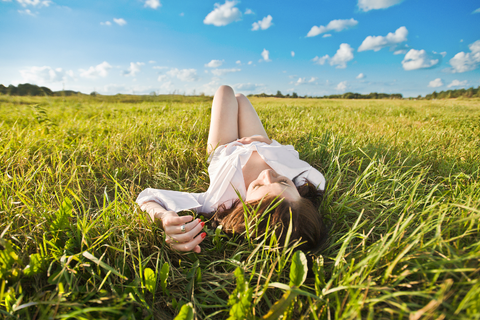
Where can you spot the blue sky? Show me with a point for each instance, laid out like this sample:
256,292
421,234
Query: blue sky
309,47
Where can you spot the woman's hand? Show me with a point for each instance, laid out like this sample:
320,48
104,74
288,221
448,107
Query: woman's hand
248,140
183,239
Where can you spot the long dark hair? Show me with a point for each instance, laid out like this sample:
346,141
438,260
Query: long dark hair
307,222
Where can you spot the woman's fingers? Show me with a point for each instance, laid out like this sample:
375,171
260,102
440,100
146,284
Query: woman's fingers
171,218
187,235
182,232
260,138
173,229
189,246
245,140
190,226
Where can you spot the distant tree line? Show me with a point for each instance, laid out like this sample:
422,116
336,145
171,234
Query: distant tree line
372,95
457,93
347,95
28,89
278,95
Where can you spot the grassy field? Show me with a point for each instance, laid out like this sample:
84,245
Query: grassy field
402,201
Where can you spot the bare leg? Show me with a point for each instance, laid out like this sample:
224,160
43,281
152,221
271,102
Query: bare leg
249,123
224,121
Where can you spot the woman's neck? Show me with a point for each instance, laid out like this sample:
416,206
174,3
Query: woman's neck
255,164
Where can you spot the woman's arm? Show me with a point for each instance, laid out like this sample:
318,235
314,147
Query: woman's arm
172,223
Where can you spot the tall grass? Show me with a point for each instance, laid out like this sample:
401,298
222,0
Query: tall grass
402,201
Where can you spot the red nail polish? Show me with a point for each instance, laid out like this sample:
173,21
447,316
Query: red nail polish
203,235
202,223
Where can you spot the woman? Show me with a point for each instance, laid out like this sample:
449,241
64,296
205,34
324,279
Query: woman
243,159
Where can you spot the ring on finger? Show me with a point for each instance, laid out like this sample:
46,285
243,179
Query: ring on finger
183,228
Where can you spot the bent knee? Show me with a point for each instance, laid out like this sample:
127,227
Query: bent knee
224,89
240,96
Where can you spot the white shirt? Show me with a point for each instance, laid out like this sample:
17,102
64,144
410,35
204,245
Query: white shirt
225,171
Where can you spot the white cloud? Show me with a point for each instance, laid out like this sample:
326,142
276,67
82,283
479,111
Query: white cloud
152,61
154,4
120,21
250,62
214,64
443,54
133,69
418,59
249,11
106,23
475,47
334,25
209,88
340,59
121,88
238,62
376,43
457,83
27,12
343,55
162,77
35,3
367,5
401,49
435,83
361,76
223,14
167,86
160,68
476,11
292,54
100,70
248,86
463,62
263,24
326,35
306,81
221,72
41,75
321,60
265,55
342,86
187,75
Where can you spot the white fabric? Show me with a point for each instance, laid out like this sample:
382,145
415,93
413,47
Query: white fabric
226,175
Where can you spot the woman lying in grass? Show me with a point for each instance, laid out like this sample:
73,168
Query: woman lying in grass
264,172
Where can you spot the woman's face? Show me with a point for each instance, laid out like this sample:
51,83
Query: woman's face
271,183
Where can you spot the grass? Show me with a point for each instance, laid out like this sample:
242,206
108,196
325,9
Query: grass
402,200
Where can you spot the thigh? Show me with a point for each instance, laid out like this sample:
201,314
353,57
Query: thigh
249,123
224,120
